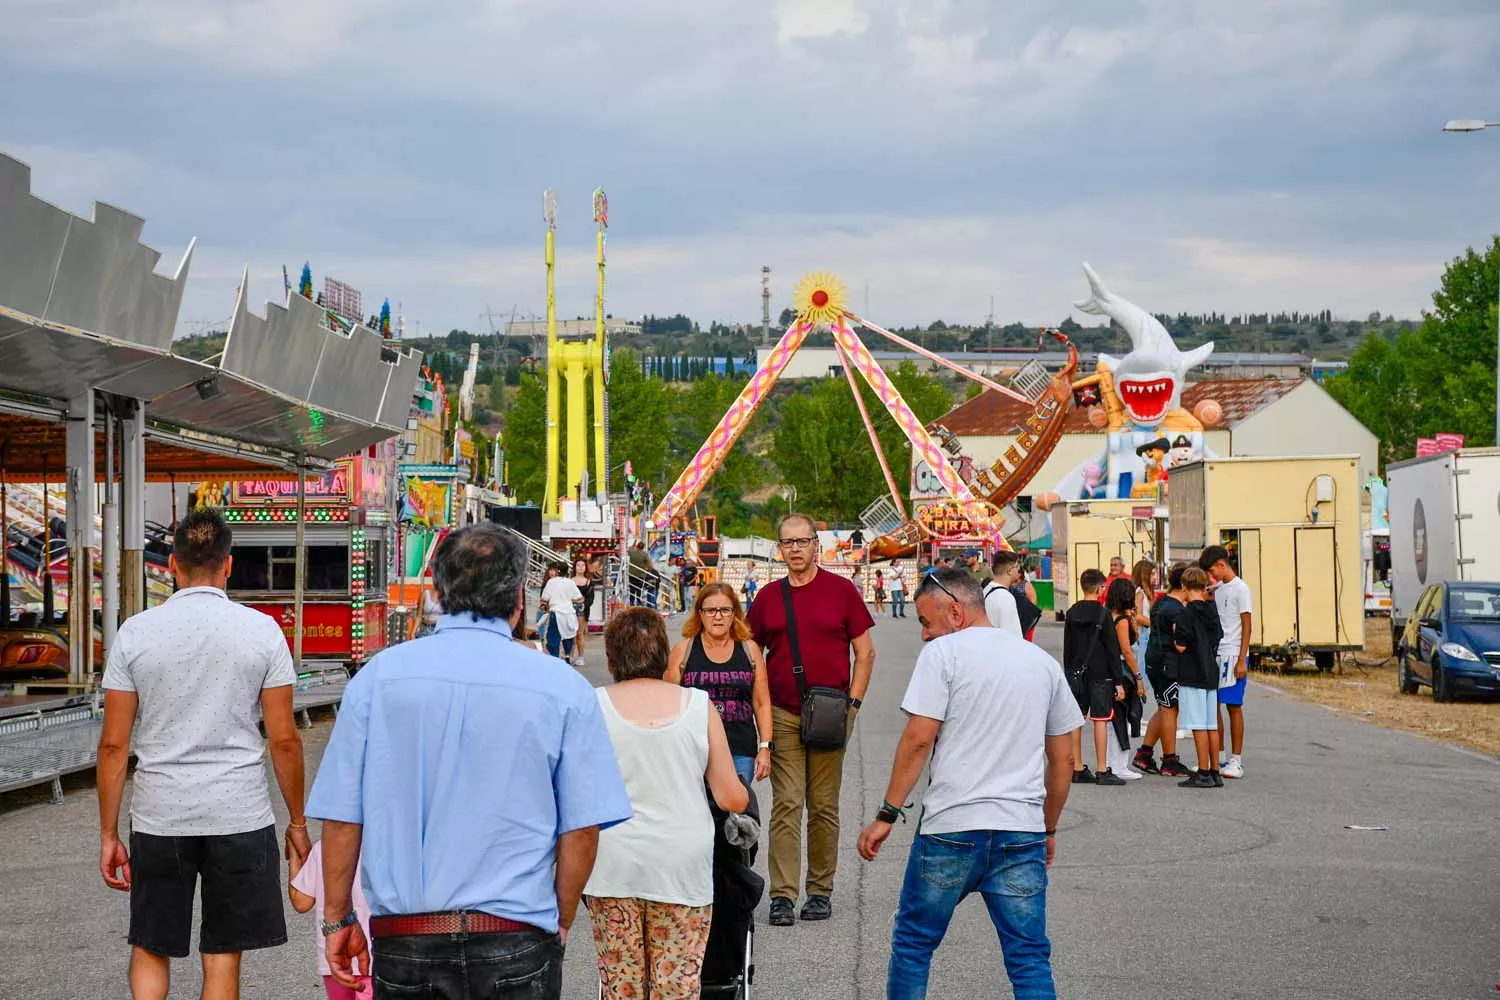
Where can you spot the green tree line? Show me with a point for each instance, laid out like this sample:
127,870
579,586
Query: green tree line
1438,377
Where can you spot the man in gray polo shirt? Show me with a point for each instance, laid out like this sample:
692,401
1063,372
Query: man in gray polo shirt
198,672
995,713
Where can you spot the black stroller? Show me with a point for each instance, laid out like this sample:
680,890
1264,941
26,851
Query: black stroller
729,960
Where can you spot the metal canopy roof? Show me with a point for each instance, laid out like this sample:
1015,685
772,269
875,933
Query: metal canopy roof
34,447
81,307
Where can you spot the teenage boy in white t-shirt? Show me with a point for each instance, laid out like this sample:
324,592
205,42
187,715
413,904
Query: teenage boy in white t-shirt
1233,599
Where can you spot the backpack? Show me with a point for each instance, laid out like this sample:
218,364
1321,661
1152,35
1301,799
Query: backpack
1028,612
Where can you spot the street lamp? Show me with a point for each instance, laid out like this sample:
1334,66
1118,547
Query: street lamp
1469,125
1479,125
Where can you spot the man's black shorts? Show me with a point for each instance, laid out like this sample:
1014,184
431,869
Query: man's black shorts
241,892
1163,688
1096,700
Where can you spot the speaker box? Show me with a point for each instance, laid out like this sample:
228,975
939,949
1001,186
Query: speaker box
527,520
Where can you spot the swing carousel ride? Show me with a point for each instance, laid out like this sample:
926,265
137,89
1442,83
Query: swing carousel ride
974,504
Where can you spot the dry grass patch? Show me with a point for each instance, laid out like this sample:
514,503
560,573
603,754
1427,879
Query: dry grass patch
1369,692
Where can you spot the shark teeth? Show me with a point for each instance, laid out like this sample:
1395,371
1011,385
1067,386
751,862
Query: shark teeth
1156,389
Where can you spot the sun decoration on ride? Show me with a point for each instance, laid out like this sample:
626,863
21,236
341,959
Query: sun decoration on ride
820,299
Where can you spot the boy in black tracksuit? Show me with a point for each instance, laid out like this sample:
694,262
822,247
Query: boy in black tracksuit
1091,659
1196,635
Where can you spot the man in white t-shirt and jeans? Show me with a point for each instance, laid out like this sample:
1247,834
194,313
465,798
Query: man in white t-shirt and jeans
1235,603
199,672
995,713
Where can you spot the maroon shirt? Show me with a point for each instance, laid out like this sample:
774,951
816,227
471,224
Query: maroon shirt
830,616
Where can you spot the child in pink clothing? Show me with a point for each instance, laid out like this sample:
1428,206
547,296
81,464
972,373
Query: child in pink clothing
306,892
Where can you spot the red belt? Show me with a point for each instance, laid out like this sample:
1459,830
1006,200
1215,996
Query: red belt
454,922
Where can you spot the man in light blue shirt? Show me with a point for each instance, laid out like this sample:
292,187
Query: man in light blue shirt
473,774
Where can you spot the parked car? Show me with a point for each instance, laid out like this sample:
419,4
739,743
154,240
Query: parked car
1452,641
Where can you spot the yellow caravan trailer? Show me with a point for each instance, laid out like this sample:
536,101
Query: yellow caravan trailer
1293,527
1087,534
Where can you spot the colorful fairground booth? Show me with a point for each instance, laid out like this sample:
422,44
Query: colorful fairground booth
94,405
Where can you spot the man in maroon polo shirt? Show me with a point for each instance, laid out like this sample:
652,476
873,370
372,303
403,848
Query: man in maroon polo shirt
833,633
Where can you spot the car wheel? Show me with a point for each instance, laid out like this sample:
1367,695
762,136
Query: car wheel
1440,690
1408,683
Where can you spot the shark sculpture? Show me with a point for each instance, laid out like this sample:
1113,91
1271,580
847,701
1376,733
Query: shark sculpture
1149,379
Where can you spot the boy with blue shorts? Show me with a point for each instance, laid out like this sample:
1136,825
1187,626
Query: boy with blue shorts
1195,636
1233,600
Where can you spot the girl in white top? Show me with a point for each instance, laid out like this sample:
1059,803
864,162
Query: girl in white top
651,892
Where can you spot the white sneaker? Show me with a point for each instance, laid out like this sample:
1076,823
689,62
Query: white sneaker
1223,760
1128,774
1234,769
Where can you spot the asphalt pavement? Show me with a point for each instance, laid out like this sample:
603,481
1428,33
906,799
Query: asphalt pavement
1256,890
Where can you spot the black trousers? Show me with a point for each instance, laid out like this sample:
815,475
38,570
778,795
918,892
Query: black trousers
520,965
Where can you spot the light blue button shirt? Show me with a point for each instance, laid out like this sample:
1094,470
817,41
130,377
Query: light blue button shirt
465,755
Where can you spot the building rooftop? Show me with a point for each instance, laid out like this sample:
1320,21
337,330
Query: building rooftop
991,414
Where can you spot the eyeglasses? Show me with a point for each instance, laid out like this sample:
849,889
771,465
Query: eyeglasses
716,612
939,585
796,543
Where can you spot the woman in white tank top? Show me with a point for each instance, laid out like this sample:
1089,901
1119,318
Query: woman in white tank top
651,892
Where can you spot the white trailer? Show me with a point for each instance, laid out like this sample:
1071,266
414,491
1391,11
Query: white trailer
1445,523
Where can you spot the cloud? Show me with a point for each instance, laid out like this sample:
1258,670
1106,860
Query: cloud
1282,154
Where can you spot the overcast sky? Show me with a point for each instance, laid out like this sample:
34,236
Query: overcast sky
1261,154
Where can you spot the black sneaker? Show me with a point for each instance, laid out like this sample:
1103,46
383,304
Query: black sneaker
1173,767
817,908
1200,779
783,913
1145,761
1108,777
1218,779
1083,776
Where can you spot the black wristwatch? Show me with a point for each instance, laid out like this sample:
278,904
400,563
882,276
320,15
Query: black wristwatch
889,813
856,702
333,928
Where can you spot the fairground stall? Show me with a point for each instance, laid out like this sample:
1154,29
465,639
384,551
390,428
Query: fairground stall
348,535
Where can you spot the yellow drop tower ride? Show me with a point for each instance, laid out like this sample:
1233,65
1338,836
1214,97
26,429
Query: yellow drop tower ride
575,360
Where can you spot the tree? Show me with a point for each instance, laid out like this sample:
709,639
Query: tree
526,439
1437,378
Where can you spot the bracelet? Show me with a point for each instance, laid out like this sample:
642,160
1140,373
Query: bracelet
889,813
297,826
1051,833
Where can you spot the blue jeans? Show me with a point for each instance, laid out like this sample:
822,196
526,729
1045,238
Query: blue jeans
526,965
1010,871
555,641
898,604
745,768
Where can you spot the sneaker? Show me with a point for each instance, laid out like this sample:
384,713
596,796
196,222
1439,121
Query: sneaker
1218,778
1234,769
817,908
1145,760
1223,758
1129,775
1173,767
783,913
1108,777
1084,776
1200,779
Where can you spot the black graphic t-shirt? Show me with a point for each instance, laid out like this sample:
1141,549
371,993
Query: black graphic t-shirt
729,686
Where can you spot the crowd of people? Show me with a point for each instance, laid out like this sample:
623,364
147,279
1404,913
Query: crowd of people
475,792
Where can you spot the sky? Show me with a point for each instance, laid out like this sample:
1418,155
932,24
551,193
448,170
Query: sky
937,155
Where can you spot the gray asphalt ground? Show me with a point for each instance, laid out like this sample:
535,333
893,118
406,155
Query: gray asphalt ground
1257,890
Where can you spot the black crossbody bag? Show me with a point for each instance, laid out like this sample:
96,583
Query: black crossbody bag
825,710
